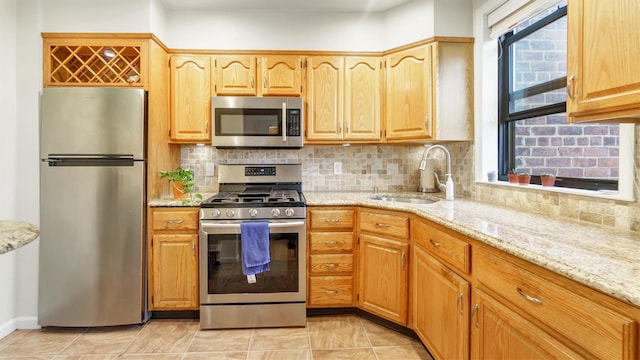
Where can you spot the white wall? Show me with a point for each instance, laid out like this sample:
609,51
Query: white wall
273,30
8,157
96,16
408,23
453,18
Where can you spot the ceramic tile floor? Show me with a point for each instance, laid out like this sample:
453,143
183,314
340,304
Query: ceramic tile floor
324,338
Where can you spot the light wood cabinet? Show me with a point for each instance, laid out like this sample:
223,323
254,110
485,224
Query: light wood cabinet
429,92
325,94
603,81
440,307
331,262
281,75
408,93
384,264
440,297
235,75
173,259
499,333
595,330
190,100
344,101
363,99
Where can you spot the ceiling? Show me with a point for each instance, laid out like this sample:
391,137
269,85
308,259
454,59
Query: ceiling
297,5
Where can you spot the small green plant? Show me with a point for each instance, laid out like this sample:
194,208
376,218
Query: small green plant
546,174
512,171
184,177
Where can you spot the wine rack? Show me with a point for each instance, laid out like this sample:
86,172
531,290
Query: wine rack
100,65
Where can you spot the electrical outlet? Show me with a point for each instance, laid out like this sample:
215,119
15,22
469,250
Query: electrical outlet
337,168
210,170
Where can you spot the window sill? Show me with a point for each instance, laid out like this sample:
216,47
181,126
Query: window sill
602,194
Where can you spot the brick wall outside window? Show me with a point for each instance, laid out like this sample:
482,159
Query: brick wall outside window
548,143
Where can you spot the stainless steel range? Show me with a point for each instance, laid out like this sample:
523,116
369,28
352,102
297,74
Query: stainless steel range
264,193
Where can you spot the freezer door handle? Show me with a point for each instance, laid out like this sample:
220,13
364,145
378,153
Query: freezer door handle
90,160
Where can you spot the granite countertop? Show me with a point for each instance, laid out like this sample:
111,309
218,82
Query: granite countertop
171,202
603,259
14,234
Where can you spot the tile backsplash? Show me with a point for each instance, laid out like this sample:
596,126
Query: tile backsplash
388,167
395,168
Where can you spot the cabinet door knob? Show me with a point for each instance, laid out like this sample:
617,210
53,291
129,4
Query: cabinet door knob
434,243
330,292
473,313
459,302
382,225
570,86
330,265
331,242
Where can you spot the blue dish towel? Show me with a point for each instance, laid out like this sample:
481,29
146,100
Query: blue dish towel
255,247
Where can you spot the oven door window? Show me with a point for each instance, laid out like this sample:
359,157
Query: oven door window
225,265
248,122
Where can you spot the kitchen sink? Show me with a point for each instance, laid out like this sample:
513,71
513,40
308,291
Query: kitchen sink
402,199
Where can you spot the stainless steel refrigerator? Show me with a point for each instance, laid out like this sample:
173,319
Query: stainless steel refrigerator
92,207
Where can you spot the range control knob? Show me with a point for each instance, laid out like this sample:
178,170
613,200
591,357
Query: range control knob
215,213
275,212
289,212
231,213
253,212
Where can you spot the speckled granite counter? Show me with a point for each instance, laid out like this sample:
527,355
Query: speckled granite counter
605,260
171,202
14,234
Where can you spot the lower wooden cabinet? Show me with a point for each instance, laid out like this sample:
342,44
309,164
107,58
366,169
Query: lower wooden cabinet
173,259
330,262
501,333
440,307
384,271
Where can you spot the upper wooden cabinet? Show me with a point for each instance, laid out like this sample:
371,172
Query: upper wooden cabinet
235,75
343,97
408,94
362,98
190,98
95,60
281,75
603,81
325,93
429,92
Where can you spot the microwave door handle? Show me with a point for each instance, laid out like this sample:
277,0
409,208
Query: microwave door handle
284,122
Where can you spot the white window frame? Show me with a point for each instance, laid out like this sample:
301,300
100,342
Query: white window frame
486,117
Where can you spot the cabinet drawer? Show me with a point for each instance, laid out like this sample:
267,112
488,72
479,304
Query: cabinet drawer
331,219
385,224
331,242
331,291
175,219
447,248
596,329
327,264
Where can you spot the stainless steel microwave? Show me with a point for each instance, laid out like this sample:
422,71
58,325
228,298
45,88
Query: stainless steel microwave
257,122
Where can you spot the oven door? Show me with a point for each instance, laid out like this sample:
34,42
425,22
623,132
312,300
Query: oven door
221,277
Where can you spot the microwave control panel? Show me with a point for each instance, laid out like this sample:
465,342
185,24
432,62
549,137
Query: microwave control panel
293,122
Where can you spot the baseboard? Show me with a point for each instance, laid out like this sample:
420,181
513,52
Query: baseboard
27,323
7,328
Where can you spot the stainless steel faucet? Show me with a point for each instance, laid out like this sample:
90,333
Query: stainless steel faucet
447,187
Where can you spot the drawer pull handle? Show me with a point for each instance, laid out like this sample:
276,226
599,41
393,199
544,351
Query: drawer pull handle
473,313
174,221
330,292
382,225
404,260
331,242
332,220
458,303
529,297
434,243
330,265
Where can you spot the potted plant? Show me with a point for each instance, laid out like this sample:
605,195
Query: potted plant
547,179
181,181
524,179
512,174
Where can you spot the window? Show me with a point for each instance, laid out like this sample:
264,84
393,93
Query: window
533,135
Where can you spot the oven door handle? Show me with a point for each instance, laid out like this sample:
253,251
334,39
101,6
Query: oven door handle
277,225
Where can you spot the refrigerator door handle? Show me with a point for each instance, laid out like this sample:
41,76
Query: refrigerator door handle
89,160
